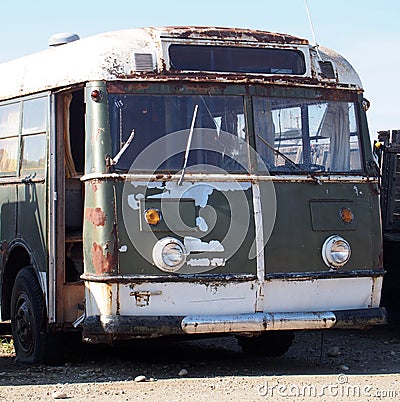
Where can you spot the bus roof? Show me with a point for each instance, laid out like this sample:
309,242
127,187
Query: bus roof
142,53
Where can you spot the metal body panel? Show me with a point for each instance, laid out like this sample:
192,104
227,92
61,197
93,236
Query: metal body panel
169,298
322,294
212,241
298,234
32,221
216,298
8,221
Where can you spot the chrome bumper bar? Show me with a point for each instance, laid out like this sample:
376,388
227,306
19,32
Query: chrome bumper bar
258,322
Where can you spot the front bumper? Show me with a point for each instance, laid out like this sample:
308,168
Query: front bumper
257,322
105,329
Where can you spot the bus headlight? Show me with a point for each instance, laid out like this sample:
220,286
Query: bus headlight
336,251
169,254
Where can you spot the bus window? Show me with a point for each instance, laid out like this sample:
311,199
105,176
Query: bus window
8,155
155,116
236,59
9,127
9,119
34,116
33,154
305,135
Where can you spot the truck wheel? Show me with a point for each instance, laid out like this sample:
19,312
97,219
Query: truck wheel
27,318
269,343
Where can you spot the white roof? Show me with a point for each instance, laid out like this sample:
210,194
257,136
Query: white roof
128,54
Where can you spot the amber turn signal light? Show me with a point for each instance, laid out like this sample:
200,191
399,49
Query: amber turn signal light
346,215
152,216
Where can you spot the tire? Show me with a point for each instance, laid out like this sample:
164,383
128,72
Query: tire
28,318
270,343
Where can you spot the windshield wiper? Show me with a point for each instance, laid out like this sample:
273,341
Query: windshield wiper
117,157
189,142
288,160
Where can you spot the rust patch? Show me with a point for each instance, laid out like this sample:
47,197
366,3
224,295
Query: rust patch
96,216
236,34
102,263
95,185
97,134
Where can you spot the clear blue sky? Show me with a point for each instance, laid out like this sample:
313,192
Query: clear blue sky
366,32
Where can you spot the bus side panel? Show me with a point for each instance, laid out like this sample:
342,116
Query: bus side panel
32,221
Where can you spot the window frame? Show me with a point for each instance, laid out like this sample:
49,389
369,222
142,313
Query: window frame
249,91
20,136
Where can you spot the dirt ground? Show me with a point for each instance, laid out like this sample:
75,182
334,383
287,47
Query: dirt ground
320,366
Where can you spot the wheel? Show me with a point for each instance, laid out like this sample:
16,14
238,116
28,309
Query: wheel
28,318
270,343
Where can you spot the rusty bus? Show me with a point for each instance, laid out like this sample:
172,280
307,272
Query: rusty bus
185,181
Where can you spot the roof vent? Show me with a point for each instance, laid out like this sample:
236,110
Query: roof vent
144,62
327,70
62,39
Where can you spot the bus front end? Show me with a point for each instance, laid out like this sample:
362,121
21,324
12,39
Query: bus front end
223,204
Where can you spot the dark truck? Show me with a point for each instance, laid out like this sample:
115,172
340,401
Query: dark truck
387,151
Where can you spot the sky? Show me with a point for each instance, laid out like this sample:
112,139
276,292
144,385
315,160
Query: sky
366,32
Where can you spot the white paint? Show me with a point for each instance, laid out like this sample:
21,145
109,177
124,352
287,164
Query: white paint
170,298
108,57
259,245
357,191
134,200
321,294
376,297
218,262
201,224
206,262
102,57
199,192
180,298
198,262
195,245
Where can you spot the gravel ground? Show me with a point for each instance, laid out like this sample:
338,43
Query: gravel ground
320,366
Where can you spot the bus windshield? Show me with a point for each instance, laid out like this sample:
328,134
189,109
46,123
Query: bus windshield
218,139
312,136
291,135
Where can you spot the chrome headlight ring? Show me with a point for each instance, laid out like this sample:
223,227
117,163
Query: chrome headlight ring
336,251
169,254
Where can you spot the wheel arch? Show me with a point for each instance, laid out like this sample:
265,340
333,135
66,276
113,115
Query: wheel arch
19,256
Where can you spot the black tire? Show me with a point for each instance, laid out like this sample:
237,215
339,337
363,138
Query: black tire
269,343
28,318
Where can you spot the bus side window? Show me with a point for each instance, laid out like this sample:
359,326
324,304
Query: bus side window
9,127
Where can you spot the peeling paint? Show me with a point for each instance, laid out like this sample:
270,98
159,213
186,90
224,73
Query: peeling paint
195,245
201,224
206,262
96,216
123,249
198,192
357,191
102,262
134,200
